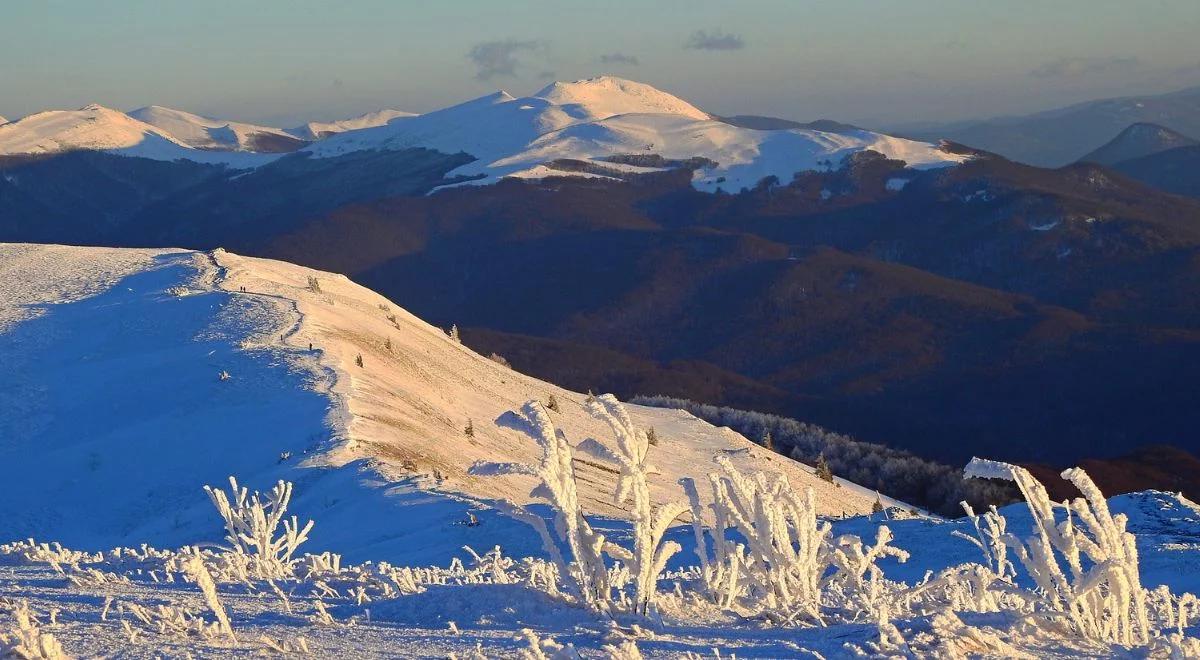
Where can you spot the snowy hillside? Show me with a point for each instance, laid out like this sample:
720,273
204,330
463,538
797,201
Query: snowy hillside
116,357
597,119
315,130
205,133
136,378
99,128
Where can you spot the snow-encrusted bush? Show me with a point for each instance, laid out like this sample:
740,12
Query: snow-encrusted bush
252,523
650,554
25,639
779,561
557,487
1099,593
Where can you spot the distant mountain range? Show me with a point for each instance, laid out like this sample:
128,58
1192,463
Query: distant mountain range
605,234
1057,137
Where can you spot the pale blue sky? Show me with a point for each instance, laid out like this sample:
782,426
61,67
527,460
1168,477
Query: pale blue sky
880,62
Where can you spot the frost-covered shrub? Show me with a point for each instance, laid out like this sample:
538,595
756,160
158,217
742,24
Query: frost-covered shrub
252,524
642,564
25,639
556,475
168,620
29,551
650,554
779,561
198,573
1086,566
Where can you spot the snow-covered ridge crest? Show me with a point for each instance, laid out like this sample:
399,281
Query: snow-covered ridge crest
95,127
315,130
90,127
274,371
208,133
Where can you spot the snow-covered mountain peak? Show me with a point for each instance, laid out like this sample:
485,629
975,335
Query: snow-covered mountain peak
316,130
95,127
90,127
598,118
209,133
1137,140
605,96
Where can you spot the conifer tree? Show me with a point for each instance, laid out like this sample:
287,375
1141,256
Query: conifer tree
823,470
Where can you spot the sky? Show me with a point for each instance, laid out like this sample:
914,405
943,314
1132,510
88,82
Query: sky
881,63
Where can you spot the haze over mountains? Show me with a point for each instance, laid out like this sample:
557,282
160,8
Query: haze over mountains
1054,138
928,295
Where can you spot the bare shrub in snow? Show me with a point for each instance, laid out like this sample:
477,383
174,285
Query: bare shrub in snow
314,284
252,526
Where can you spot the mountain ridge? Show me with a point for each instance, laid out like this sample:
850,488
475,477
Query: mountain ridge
1138,140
